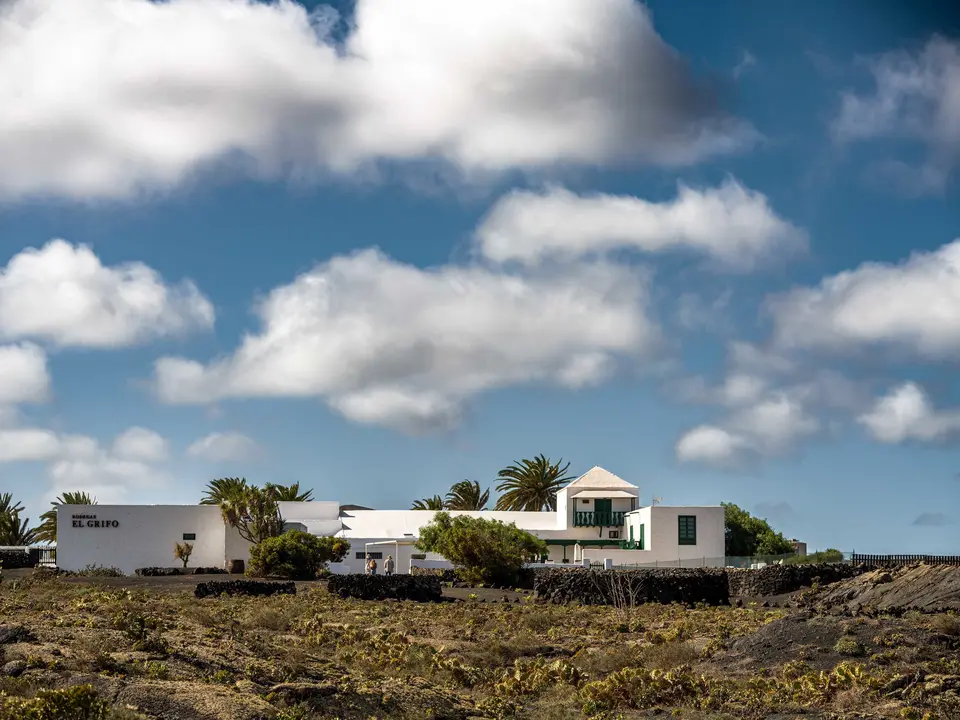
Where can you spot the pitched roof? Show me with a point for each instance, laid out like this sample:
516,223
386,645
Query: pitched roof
598,478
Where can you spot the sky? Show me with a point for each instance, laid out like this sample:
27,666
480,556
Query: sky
380,247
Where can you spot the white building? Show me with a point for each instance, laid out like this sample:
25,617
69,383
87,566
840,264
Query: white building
598,517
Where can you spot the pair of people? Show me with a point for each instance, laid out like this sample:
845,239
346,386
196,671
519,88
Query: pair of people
388,565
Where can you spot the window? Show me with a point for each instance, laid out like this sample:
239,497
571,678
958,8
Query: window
585,501
189,536
361,555
614,535
687,525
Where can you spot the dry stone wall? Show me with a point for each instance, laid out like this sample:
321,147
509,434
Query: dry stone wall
419,588
781,579
244,587
633,587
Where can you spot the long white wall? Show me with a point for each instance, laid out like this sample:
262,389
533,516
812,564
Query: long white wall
134,536
661,537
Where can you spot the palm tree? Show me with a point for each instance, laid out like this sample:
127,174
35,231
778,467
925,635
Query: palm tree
433,503
466,495
252,511
289,493
16,533
218,491
47,529
532,485
13,532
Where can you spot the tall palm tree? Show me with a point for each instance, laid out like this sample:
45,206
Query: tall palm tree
289,493
433,503
532,484
47,529
13,531
466,495
223,489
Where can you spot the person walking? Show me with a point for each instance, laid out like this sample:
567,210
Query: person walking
371,565
388,565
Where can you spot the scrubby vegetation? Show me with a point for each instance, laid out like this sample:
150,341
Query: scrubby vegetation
162,653
295,555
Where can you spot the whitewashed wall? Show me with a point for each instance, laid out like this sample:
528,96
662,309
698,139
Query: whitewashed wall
661,537
144,536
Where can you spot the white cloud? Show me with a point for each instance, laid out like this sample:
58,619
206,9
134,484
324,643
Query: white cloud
139,443
97,105
917,97
388,343
710,445
63,294
731,224
28,444
23,374
906,413
914,305
221,446
768,427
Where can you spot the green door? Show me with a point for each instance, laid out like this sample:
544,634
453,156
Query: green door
604,511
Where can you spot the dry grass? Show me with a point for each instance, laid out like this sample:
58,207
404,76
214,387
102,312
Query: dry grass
314,655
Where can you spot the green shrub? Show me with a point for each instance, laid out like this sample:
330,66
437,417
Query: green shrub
824,556
295,555
75,703
486,552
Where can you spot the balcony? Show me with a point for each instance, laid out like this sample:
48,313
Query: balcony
598,519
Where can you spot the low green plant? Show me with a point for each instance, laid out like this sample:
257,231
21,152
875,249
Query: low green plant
850,647
101,571
76,703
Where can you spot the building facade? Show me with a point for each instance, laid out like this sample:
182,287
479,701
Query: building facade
598,517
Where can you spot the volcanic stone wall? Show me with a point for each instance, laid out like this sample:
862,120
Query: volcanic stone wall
450,575
420,588
244,587
16,559
633,587
168,571
782,579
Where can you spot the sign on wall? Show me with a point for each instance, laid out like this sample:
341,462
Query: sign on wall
91,521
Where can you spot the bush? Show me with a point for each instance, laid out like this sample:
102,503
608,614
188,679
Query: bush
75,703
483,551
101,571
244,587
824,556
295,555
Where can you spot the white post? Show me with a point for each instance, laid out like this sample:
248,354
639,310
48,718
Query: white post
586,563
608,563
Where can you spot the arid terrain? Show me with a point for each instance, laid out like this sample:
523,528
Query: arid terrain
148,649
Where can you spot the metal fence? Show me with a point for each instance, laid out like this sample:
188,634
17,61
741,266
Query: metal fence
895,560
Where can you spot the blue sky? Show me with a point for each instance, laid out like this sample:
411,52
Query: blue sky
706,246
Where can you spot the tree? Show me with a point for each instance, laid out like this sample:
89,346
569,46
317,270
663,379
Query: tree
14,531
253,512
466,495
434,503
290,493
47,529
295,555
746,535
483,551
223,489
531,485
182,552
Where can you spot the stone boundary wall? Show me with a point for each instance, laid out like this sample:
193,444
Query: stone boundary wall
633,587
244,587
18,559
419,588
781,579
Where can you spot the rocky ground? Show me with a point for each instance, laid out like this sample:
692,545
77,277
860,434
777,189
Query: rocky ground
883,645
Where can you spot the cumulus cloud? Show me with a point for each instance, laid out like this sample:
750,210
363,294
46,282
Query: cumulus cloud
765,428
917,97
730,224
23,375
80,462
63,294
221,446
388,343
914,305
97,106
139,443
906,413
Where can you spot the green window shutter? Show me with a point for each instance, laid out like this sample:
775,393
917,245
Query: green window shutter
687,530
642,547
